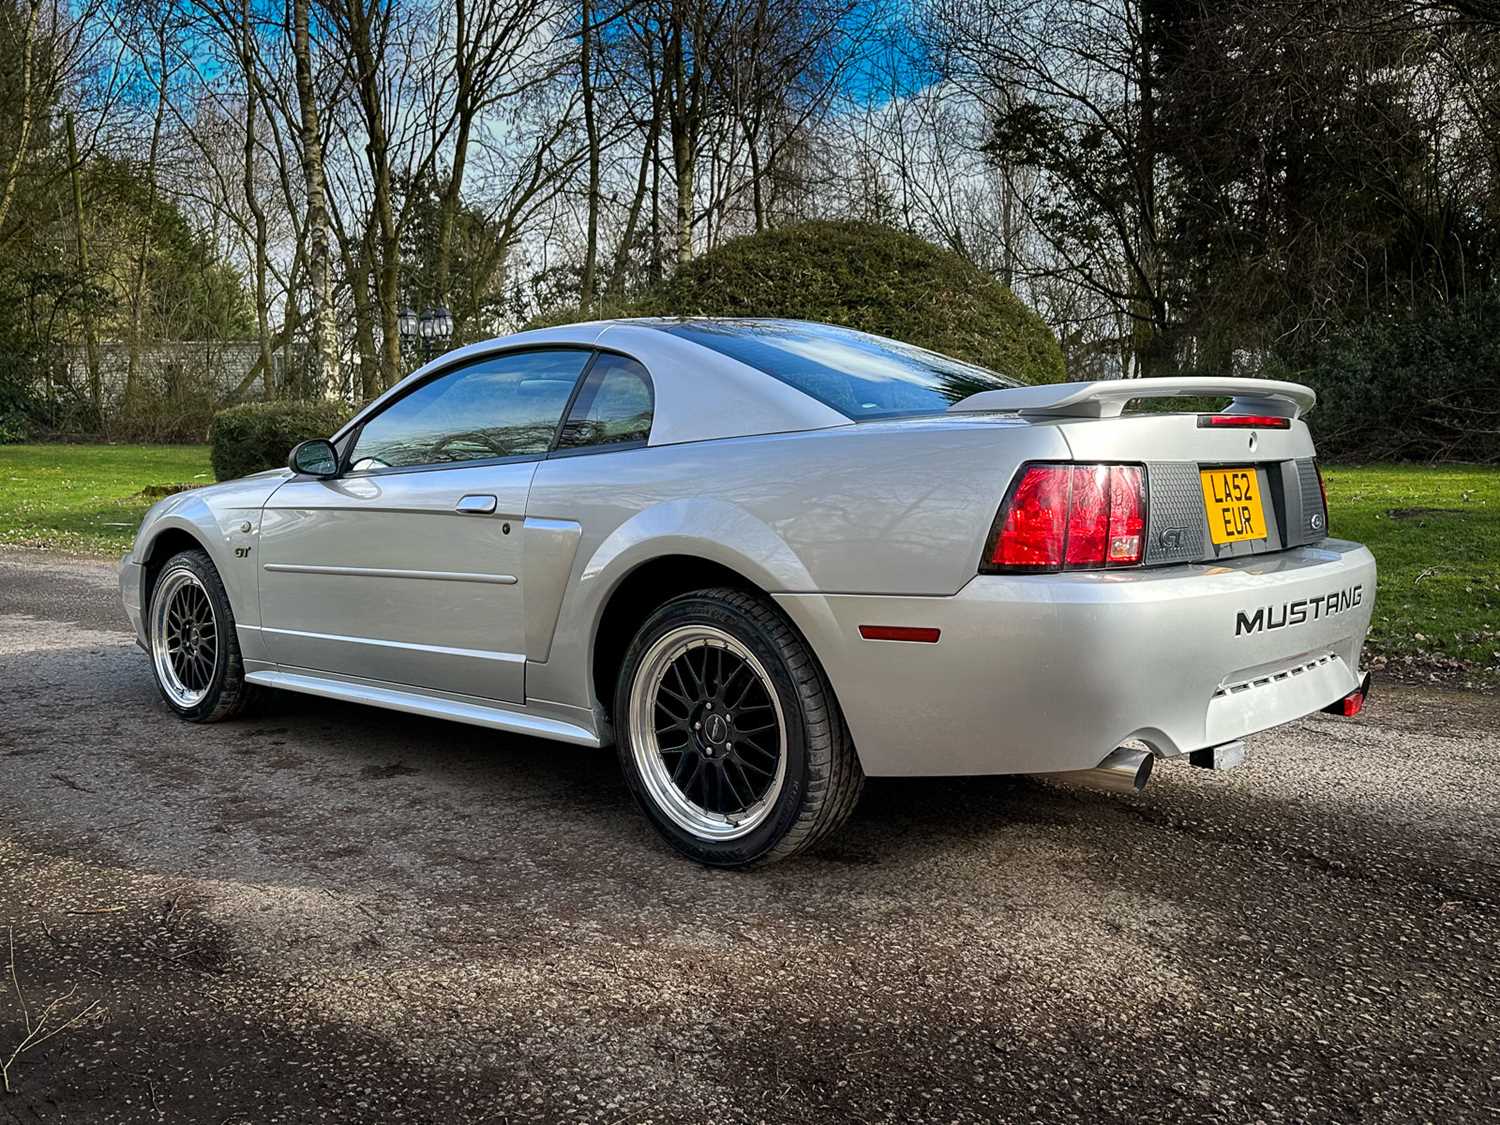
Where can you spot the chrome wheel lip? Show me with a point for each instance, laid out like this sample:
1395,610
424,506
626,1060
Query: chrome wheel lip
175,590
701,823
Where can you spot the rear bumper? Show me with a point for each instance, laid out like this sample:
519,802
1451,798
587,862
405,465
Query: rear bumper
1048,673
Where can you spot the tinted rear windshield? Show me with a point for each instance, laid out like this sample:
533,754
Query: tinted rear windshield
859,375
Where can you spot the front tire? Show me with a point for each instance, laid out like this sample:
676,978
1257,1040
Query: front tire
195,654
729,734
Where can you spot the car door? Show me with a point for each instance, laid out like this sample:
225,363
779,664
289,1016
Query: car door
407,568
573,490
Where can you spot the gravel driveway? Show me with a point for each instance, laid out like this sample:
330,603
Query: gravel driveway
327,913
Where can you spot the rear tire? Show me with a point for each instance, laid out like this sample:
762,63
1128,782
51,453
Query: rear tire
729,734
195,653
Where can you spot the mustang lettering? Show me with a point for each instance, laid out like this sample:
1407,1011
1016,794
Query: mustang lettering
1299,611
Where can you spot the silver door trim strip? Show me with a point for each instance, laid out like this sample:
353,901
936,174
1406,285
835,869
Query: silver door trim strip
496,718
377,572
408,646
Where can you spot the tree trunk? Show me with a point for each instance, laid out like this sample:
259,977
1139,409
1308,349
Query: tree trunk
755,176
464,97
682,80
591,125
138,278
252,200
682,165
656,210
86,313
324,360
378,156
28,81
387,289
357,270
448,215
1149,313
615,287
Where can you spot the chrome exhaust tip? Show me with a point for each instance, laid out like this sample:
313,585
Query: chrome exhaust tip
1124,770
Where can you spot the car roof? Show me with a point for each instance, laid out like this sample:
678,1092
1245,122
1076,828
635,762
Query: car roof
701,394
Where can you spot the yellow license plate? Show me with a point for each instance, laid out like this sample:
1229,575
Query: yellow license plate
1231,498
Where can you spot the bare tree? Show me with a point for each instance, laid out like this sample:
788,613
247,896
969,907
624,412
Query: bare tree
1071,90
325,340
502,55
364,28
153,40
586,34
26,116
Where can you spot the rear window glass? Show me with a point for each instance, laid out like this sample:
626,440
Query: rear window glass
859,375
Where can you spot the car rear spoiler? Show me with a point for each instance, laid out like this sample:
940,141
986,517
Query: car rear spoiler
1106,398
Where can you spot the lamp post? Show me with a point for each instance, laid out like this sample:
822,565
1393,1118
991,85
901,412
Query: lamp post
427,333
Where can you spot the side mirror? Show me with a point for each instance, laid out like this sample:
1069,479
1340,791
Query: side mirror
315,458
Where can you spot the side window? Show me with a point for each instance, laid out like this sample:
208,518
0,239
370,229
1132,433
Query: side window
613,406
503,406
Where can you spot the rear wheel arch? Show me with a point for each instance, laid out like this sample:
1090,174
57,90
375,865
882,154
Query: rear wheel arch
702,787
639,594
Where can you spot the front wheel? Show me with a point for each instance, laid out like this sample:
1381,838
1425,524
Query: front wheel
729,734
195,654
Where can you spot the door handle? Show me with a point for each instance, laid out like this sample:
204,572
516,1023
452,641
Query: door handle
475,505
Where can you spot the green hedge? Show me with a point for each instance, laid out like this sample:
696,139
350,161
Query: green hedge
258,435
863,276
1422,386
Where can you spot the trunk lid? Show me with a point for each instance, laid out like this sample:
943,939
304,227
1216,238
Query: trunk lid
1211,492
1180,501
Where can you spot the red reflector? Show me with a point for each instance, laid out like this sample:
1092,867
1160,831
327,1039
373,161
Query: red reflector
899,633
1076,517
1354,703
1243,422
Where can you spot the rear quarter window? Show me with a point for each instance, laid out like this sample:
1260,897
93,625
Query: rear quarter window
614,406
856,373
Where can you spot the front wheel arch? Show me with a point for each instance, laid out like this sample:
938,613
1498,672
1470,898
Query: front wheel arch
223,693
164,546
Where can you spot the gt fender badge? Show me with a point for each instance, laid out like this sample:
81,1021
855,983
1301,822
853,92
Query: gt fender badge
241,552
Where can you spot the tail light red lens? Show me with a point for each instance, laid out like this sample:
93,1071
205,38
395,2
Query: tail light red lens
1034,530
1072,517
1088,517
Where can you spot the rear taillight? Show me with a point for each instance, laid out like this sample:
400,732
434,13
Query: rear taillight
1243,422
1071,517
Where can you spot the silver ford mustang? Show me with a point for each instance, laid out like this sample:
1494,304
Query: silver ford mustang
770,558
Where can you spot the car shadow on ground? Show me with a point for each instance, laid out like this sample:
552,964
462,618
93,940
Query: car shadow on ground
393,888
314,790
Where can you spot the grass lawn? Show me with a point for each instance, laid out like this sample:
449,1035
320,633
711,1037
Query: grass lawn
1436,537
1435,533
88,498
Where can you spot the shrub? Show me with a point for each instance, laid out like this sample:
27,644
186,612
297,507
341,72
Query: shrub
258,435
1422,386
863,276
15,414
